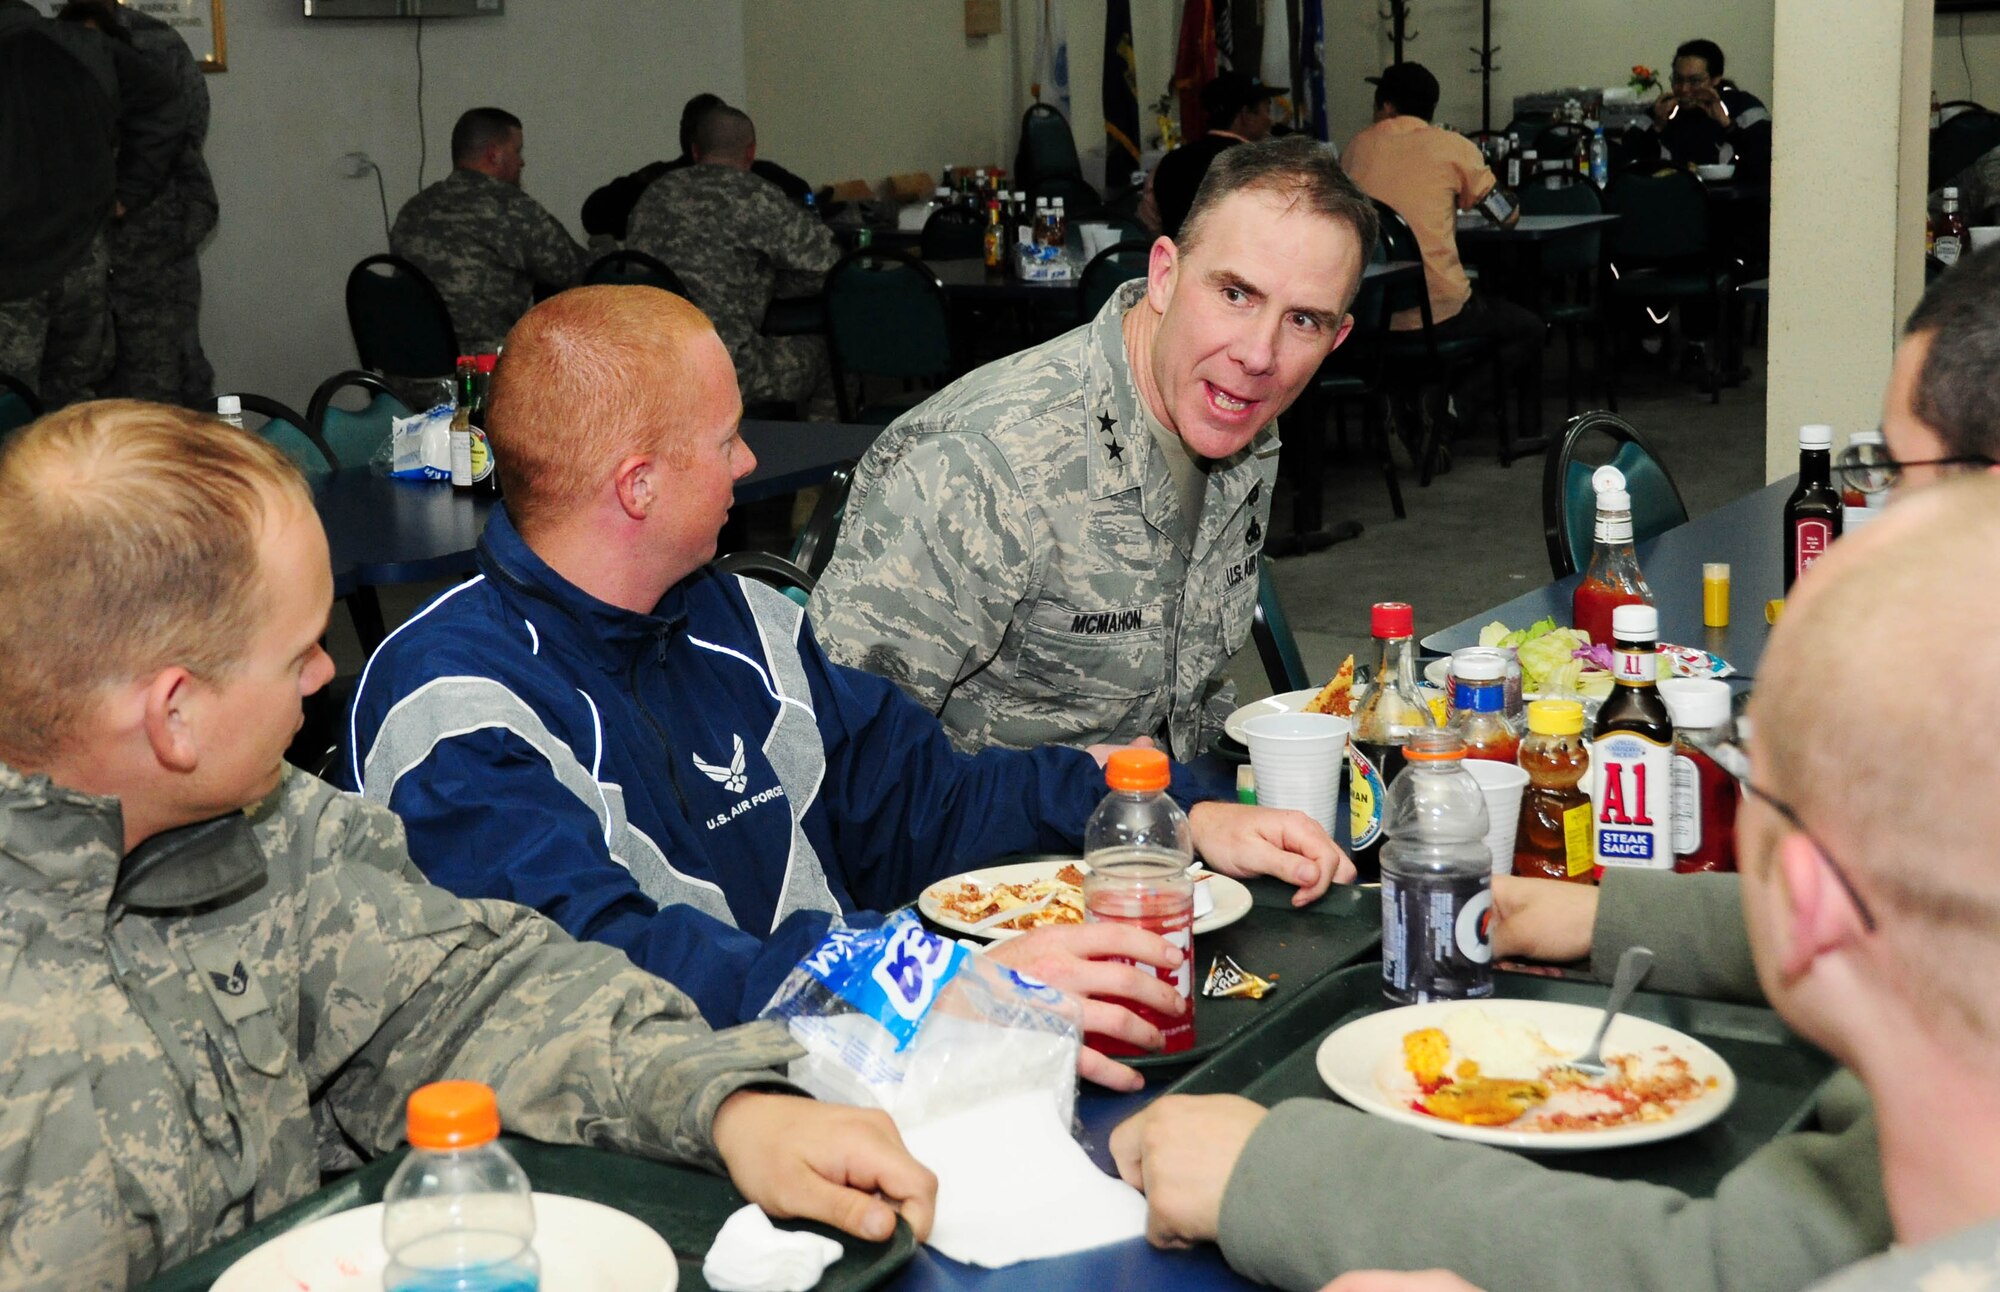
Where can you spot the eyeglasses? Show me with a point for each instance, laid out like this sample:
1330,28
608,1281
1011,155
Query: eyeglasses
1730,751
1870,469
1698,79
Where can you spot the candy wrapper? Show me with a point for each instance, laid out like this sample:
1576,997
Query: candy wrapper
1687,661
1227,978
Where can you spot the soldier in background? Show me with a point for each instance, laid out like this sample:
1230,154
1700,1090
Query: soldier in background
217,973
607,212
484,243
736,241
155,271
88,131
1063,545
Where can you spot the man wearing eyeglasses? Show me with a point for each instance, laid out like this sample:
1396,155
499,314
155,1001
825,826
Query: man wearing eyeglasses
1942,412
1705,119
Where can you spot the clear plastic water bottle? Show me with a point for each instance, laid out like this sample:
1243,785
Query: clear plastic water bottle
230,409
1137,848
1437,877
458,1215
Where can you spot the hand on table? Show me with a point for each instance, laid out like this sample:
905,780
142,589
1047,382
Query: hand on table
1542,919
1070,958
1179,1152
1242,841
1399,1281
846,1167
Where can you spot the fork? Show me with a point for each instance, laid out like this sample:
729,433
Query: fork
1011,913
1632,969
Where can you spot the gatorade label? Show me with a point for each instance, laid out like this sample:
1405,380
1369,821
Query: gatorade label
1366,793
1437,938
1632,780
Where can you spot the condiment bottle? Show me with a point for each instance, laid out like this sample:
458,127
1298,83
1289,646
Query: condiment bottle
1812,514
485,467
1705,795
1553,841
1478,705
229,408
1437,878
996,237
1948,237
461,422
1392,710
1715,594
1137,848
1612,579
1631,752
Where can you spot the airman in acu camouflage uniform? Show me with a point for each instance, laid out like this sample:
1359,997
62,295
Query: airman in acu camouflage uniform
1017,552
484,243
736,240
218,976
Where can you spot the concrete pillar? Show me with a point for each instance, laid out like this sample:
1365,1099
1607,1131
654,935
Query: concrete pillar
1850,97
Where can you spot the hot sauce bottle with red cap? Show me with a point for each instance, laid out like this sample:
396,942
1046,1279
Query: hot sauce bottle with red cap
1382,725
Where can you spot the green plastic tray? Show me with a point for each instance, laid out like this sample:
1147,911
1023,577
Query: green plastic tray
684,1206
1778,1075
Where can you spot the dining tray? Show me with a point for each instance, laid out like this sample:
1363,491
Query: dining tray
684,1206
1778,1074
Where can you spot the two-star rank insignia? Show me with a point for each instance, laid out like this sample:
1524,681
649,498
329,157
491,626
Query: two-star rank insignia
1105,423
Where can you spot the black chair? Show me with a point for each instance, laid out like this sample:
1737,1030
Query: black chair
1963,139
1354,372
1272,632
1048,149
1664,252
352,436
1110,269
400,324
1571,265
1558,142
1415,360
813,548
953,233
627,267
295,436
1080,201
768,567
1569,505
887,316
18,404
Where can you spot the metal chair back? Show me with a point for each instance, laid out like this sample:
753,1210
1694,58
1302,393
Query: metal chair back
1111,268
886,316
1665,219
1581,252
1569,504
1272,631
628,267
1399,242
768,567
1047,147
399,321
352,436
293,435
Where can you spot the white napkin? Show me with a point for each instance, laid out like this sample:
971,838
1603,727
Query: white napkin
1013,1186
750,1254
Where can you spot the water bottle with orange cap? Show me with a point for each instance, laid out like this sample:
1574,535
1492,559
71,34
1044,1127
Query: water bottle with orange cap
458,1215
1137,848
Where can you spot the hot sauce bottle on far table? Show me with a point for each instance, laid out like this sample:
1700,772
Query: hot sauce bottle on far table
1479,704
1554,840
1705,795
1612,579
1632,750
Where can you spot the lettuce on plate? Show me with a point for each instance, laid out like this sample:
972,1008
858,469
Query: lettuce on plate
1548,655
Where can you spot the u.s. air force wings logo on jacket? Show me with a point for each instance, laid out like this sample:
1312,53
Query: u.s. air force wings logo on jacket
731,777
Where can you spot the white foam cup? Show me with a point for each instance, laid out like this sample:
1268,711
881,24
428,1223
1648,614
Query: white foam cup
1296,757
1502,784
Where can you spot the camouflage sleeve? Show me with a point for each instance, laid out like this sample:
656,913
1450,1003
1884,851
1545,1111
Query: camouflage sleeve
552,258
803,244
405,983
60,1207
152,125
934,555
1218,701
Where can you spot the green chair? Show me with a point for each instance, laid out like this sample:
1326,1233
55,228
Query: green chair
18,404
1569,504
1570,264
292,434
813,547
768,567
627,267
1415,360
1663,252
1109,270
1272,632
1048,149
354,435
887,316
400,323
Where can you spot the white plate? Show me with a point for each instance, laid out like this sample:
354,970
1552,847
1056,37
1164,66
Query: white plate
583,1246
1232,899
1363,1063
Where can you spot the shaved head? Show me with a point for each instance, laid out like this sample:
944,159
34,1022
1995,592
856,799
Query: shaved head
1874,717
587,378
724,134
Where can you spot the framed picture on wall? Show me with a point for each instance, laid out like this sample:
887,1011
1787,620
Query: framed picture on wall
198,21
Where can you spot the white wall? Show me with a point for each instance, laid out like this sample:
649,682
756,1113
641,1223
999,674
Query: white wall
1980,53
598,85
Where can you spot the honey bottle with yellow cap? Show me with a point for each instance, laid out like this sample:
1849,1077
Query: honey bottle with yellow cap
1553,841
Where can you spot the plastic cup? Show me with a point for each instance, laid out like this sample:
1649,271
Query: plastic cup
1502,784
1296,758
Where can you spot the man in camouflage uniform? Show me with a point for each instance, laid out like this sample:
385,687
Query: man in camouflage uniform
736,241
88,130
1063,545
155,272
484,243
217,975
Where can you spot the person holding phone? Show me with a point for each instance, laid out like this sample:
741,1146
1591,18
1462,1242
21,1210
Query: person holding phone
1429,174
